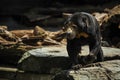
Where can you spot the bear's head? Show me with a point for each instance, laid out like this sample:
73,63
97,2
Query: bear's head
75,26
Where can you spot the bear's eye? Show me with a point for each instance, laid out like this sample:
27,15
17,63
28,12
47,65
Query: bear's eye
63,28
74,26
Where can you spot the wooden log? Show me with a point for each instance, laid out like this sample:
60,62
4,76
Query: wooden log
21,33
8,36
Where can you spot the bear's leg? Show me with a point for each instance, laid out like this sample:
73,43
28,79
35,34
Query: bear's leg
94,49
100,56
73,49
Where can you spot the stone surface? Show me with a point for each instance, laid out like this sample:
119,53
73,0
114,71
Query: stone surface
109,70
52,59
9,73
33,76
45,60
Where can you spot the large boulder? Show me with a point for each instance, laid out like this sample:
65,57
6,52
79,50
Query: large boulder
52,59
45,60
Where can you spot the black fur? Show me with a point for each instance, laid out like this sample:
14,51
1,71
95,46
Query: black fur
86,23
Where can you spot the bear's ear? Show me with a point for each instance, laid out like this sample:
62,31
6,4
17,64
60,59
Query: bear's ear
83,23
66,15
88,25
85,20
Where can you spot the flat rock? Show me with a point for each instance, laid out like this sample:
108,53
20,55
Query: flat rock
52,59
108,70
45,60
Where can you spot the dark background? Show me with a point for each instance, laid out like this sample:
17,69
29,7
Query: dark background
21,6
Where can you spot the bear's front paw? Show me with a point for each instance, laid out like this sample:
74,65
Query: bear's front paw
89,59
76,67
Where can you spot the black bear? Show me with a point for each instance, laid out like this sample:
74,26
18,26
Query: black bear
82,28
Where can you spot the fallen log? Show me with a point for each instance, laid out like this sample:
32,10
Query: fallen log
8,36
39,36
21,33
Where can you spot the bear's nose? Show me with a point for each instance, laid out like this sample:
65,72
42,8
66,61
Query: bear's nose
69,30
68,34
